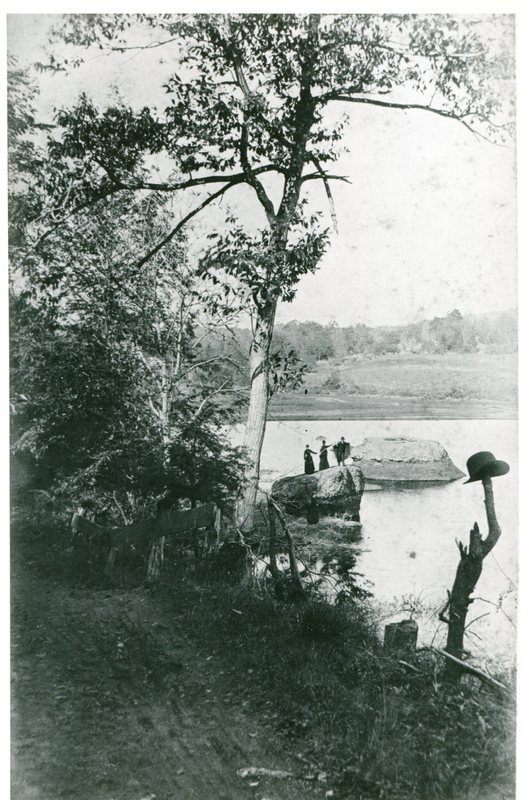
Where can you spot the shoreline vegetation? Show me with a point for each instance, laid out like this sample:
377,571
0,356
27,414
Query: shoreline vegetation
450,367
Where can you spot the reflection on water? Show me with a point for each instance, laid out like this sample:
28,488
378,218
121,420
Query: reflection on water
408,547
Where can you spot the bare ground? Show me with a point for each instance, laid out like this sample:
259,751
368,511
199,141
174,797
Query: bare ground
112,700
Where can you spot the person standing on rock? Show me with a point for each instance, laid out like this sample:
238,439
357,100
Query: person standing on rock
323,456
340,451
309,466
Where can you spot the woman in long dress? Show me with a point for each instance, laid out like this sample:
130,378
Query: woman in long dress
323,456
309,466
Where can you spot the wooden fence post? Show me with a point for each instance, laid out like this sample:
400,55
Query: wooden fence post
110,561
217,526
155,560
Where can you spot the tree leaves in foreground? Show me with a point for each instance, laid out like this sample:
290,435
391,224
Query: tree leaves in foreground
110,393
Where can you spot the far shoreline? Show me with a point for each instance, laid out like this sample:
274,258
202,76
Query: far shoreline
375,407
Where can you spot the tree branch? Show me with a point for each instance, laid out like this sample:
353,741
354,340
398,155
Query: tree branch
328,191
207,400
338,91
121,49
467,667
251,178
397,50
304,119
244,155
494,530
183,222
200,181
312,176
296,578
157,413
407,107
119,185
210,361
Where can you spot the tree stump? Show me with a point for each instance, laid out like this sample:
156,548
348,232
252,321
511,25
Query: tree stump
466,578
401,637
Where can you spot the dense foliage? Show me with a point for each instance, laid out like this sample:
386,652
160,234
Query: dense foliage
111,396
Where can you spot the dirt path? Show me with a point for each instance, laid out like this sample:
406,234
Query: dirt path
110,702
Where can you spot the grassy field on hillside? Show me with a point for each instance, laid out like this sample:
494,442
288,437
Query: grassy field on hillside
450,386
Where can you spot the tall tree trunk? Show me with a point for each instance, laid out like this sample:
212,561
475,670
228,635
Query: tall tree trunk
280,223
257,414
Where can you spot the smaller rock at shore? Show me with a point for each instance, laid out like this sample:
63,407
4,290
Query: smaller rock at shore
404,459
336,490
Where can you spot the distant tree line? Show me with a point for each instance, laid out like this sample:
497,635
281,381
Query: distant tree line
313,342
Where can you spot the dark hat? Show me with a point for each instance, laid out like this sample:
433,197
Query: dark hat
485,465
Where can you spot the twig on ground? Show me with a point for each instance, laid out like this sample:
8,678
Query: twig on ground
468,667
264,772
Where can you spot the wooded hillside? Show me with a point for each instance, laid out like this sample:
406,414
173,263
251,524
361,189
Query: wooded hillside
310,342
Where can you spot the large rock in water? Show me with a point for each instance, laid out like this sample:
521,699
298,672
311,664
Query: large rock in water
400,459
336,490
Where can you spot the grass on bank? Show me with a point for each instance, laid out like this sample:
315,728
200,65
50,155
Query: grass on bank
458,376
448,386
318,674
380,728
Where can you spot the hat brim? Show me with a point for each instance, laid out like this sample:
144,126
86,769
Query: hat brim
494,469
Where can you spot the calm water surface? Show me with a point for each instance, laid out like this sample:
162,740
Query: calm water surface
408,546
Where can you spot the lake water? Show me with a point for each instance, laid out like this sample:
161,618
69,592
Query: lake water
407,548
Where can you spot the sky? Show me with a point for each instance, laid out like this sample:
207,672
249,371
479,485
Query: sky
426,224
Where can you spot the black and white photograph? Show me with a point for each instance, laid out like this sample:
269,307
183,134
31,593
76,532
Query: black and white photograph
263,394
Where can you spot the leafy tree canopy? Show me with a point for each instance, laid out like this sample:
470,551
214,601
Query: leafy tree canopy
249,95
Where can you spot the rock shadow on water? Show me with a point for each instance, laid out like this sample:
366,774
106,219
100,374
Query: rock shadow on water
331,537
328,553
404,486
